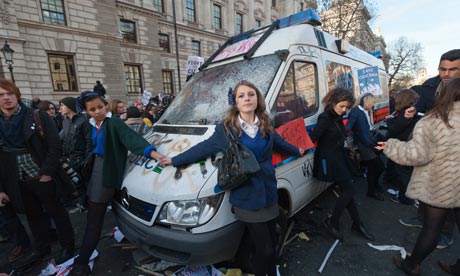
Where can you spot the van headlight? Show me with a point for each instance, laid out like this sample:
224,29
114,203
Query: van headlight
190,212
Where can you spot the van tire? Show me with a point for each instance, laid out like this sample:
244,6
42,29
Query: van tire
243,257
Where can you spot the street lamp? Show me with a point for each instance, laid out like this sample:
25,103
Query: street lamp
8,55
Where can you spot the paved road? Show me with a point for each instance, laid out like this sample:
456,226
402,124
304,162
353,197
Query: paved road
353,257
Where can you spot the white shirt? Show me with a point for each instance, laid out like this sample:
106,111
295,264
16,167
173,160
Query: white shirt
249,129
93,122
367,116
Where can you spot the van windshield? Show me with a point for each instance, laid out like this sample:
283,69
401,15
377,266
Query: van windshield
203,100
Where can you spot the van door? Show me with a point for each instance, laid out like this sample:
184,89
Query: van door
297,96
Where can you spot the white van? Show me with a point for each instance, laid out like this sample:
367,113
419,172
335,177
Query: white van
180,215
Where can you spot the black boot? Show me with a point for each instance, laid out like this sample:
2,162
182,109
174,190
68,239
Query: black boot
359,228
80,270
332,230
407,265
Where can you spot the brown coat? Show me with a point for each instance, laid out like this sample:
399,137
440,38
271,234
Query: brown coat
434,151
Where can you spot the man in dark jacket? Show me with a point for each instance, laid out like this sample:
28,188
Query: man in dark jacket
449,67
35,170
99,89
76,144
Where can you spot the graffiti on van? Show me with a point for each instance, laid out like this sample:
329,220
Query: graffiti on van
307,168
309,52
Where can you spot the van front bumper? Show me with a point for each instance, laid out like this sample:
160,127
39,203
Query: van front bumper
181,247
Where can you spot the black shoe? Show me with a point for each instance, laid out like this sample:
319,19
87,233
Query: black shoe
65,255
31,261
377,196
359,228
407,266
80,270
332,230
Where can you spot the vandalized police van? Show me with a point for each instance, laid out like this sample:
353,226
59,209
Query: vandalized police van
179,214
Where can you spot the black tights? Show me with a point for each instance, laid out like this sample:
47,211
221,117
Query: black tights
345,201
433,222
94,223
263,236
375,168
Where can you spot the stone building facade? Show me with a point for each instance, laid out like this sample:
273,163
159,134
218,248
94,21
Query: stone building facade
63,46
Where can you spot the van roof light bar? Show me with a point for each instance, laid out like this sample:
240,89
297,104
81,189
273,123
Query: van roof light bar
307,16
377,54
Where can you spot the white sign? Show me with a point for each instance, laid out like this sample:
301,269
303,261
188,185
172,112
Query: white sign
146,97
193,64
369,82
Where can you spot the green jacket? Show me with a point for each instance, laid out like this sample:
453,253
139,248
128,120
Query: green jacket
119,138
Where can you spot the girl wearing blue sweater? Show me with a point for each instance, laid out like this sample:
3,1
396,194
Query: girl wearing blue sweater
255,203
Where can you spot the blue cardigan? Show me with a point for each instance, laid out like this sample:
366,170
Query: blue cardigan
261,190
357,121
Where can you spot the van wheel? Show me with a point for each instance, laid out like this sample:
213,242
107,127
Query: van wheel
243,258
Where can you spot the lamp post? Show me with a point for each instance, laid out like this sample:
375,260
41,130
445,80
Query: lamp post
8,55
177,42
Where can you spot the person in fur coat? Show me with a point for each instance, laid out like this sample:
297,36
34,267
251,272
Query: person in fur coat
434,152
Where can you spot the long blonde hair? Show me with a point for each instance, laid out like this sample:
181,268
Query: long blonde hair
231,118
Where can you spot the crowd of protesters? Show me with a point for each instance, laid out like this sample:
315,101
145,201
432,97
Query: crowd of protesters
42,148
43,152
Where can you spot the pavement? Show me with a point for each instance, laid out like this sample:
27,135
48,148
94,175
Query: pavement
353,257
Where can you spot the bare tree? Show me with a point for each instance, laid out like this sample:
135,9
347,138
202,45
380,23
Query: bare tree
405,59
348,19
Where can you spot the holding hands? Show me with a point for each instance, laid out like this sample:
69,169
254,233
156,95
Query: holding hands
165,161
381,146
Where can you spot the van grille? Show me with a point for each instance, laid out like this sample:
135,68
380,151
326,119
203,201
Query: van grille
137,207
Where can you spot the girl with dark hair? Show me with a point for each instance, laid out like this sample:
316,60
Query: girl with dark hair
112,139
434,153
400,127
50,109
361,121
331,163
255,203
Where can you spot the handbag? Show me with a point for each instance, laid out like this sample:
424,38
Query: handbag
237,165
352,155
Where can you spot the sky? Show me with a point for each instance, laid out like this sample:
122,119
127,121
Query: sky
435,25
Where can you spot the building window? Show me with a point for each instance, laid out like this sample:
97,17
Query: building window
62,69
258,23
274,3
158,5
133,80
190,10
168,86
217,15
128,30
53,11
164,42
239,23
196,48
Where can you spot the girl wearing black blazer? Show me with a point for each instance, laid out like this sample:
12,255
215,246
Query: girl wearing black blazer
331,163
